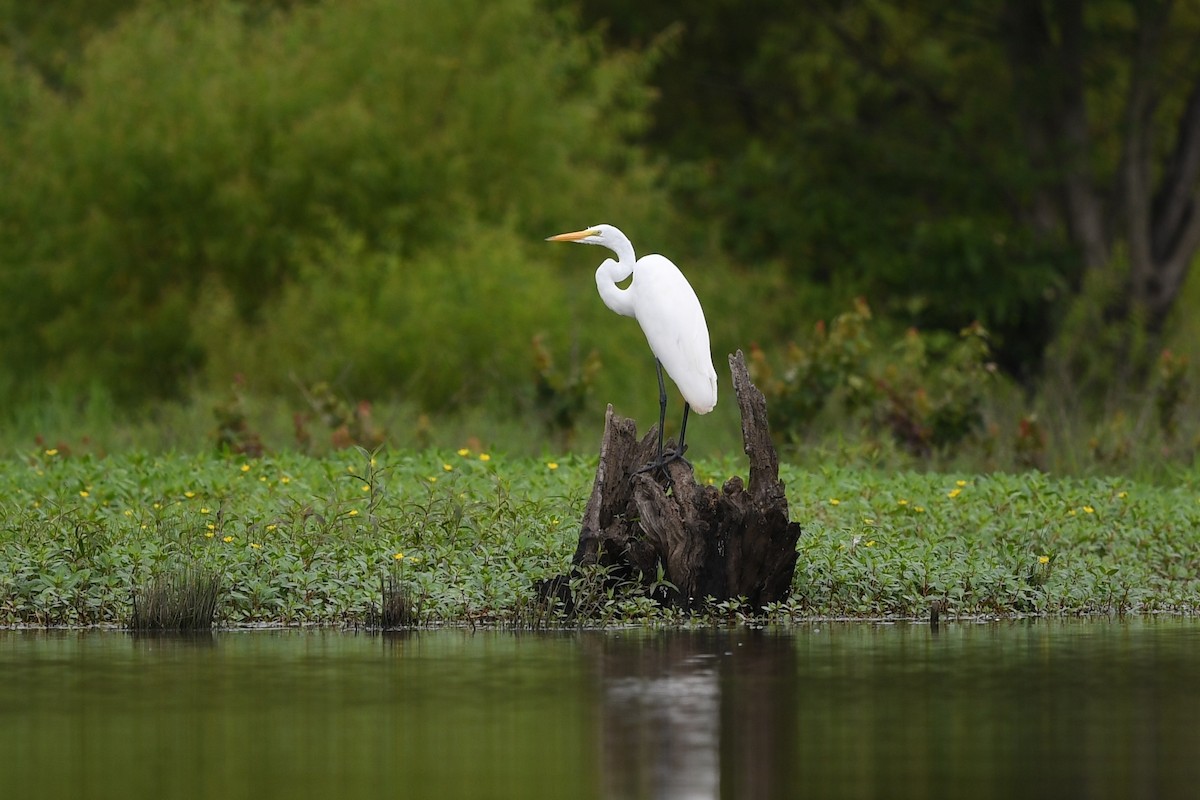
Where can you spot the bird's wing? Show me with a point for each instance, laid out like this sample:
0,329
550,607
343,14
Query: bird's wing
671,317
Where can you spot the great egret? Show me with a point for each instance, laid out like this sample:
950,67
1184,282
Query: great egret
664,304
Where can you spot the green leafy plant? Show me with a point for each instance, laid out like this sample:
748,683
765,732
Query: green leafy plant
926,391
460,539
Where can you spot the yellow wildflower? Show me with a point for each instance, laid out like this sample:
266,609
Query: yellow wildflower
551,465
189,495
256,545
954,493
227,539
285,479
53,451
1043,559
833,501
84,493
272,526
1089,510
354,512
960,484
484,457
447,468
245,467
398,556
464,452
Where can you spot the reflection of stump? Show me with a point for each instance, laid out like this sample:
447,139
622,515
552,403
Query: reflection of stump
680,719
727,543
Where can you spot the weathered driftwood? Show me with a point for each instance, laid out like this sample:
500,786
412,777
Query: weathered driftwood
733,542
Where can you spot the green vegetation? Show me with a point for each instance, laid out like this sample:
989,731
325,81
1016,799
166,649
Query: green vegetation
1030,166
310,200
350,192
460,537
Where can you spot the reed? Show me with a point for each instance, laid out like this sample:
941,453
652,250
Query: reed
185,600
397,609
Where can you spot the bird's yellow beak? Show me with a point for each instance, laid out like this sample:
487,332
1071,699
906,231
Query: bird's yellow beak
571,237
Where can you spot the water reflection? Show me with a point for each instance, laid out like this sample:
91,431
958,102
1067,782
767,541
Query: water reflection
1028,709
680,710
661,720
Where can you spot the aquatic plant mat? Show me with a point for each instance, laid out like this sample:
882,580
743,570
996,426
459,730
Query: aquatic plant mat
305,539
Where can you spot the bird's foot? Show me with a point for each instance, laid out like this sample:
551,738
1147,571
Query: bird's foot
674,455
660,463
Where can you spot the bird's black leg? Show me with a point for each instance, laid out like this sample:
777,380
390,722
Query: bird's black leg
659,462
662,410
682,433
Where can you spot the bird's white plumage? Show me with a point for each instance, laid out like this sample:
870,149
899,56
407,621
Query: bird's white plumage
671,317
666,307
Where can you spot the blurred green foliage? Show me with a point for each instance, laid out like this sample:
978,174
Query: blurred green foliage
853,142
286,194
345,191
922,153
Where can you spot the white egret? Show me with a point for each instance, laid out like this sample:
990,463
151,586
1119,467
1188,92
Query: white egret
665,305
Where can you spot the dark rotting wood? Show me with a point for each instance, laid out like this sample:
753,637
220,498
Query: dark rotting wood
732,542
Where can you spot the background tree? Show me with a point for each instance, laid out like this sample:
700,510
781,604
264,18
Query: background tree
956,161
335,191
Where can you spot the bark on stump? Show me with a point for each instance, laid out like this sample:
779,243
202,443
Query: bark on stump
733,542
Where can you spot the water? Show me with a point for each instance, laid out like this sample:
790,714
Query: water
1023,709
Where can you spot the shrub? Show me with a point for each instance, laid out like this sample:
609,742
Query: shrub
925,390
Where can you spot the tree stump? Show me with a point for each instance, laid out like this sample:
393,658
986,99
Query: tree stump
722,544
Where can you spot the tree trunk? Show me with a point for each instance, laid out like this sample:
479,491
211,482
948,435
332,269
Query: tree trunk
655,528
1150,203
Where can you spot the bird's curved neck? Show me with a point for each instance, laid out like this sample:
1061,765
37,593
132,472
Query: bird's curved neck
613,272
621,245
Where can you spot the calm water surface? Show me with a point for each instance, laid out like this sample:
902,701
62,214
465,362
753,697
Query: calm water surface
1018,709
